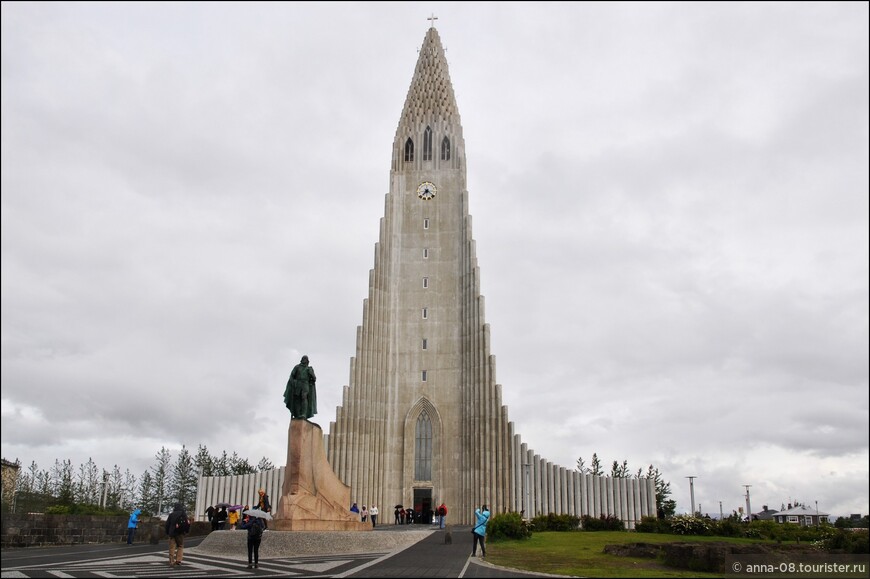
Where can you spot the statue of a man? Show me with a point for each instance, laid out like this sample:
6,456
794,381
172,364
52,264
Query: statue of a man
300,396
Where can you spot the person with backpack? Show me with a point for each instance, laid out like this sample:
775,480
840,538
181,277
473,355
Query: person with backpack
478,532
255,527
177,525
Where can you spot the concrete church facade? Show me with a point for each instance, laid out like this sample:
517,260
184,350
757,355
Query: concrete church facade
422,421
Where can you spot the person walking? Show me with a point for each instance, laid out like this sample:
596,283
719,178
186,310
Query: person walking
373,512
442,515
177,524
133,524
233,519
364,514
221,518
478,532
255,527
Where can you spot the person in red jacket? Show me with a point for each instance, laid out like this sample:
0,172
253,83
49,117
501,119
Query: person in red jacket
442,515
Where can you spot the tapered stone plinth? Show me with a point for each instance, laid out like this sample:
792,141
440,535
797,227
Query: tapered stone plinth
313,498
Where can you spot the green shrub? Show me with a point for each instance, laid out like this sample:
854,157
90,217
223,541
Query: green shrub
727,528
57,510
845,541
688,525
508,526
554,522
81,509
647,524
602,523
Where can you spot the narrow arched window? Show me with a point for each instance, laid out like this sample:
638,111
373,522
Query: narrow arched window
409,150
427,144
423,448
445,149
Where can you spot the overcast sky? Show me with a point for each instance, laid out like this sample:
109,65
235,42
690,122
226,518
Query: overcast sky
670,204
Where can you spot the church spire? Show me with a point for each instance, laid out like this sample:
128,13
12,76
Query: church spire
430,101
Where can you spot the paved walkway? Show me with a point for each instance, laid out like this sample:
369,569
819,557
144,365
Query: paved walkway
319,557
434,557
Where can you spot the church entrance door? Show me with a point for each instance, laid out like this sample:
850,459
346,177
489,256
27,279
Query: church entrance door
423,505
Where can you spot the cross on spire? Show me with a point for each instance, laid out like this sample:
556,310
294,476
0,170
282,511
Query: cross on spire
432,20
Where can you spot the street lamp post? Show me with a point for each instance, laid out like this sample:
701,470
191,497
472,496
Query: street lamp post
748,508
692,491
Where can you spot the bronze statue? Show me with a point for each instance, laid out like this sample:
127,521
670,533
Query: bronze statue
300,396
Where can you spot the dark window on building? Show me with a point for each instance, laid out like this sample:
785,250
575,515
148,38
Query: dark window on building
409,150
423,448
445,149
427,144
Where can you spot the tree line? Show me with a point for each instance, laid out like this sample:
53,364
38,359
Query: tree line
665,507
91,490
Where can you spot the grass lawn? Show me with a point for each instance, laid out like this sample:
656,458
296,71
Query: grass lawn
582,554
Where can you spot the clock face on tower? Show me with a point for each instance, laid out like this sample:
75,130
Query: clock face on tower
426,191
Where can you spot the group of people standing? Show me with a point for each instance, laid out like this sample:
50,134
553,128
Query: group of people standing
178,525
365,514
255,525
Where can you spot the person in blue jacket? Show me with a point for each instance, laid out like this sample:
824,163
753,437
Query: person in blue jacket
479,531
133,524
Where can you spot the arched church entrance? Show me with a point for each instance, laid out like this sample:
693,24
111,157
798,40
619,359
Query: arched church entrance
423,505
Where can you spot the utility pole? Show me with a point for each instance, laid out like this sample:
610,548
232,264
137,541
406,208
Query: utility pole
105,489
748,508
692,491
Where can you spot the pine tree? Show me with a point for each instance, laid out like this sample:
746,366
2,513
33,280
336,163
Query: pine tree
62,481
147,494
664,507
240,465
88,484
128,491
182,485
265,464
596,465
161,476
221,466
619,471
114,489
203,461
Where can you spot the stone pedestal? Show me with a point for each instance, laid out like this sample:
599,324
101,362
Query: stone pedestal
313,498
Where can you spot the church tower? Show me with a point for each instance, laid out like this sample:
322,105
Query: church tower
422,421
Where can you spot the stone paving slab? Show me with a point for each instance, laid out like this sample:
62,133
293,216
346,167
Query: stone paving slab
233,544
